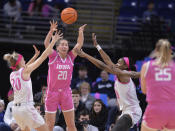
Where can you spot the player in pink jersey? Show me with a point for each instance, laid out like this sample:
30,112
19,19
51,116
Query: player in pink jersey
59,79
158,83
23,110
124,87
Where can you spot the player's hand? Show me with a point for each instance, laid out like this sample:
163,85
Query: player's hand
81,53
37,52
53,25
57,36
94,39
81,28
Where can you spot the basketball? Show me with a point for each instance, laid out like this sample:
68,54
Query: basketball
69,15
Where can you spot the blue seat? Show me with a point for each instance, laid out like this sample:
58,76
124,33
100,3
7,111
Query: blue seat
103,97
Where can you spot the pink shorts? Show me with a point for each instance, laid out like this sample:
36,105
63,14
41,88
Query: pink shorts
62,98
160,116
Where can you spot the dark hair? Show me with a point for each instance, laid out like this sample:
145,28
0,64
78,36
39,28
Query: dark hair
84,112
75,91
103,109
37,104
131,64
59,41
82,67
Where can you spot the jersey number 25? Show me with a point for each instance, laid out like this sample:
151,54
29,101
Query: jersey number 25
163,74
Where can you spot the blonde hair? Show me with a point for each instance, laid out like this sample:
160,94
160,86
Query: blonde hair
85,84
11,58
163,48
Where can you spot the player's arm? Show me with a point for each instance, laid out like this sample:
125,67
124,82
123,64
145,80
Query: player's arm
37,52
53,28
28,69
80,40
98,63
104,56
143,81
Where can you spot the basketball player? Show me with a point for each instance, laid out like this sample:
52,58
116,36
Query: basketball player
61,63
158,83
124,87
23,110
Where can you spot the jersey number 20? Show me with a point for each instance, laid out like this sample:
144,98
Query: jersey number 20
16,84
163,74
62,75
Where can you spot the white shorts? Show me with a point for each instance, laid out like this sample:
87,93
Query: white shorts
134,112
27,116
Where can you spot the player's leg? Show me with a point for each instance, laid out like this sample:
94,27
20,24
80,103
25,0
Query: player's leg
169,130
42,128
50,120
51,105
69,117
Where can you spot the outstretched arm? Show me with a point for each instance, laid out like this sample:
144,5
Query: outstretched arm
104,56
80,40
98,63
31,67
37,52
53,28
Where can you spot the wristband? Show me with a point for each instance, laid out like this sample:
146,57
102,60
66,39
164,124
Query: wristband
98,47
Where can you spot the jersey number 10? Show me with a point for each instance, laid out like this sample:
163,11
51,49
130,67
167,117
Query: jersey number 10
163,74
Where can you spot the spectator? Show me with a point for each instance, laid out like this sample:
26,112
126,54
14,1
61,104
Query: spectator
10,95
82,76
86,98
149,12
42,107
2,106
12,14
84,122
39,95
38,8
106,86
99,115
38,107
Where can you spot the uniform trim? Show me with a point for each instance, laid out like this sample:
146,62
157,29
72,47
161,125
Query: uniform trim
125,83
68,110
70,60
50,111
53,61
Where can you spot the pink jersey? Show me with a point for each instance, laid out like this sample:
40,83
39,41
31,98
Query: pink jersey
160,83
60,71
22,88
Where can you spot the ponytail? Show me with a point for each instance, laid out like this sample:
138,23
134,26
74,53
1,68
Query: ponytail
164,53
11,59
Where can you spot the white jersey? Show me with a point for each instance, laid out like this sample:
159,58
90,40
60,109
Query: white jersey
22,88
127,99
126,94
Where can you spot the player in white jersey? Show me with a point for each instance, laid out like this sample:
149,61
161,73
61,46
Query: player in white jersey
23,109
124,87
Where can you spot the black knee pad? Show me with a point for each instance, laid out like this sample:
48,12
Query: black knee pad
123,124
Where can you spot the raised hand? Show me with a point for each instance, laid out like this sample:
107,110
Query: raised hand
53,25
94,39
81,53
37,52
57,36
81,28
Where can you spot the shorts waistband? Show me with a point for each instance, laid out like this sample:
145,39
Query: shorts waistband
24,104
